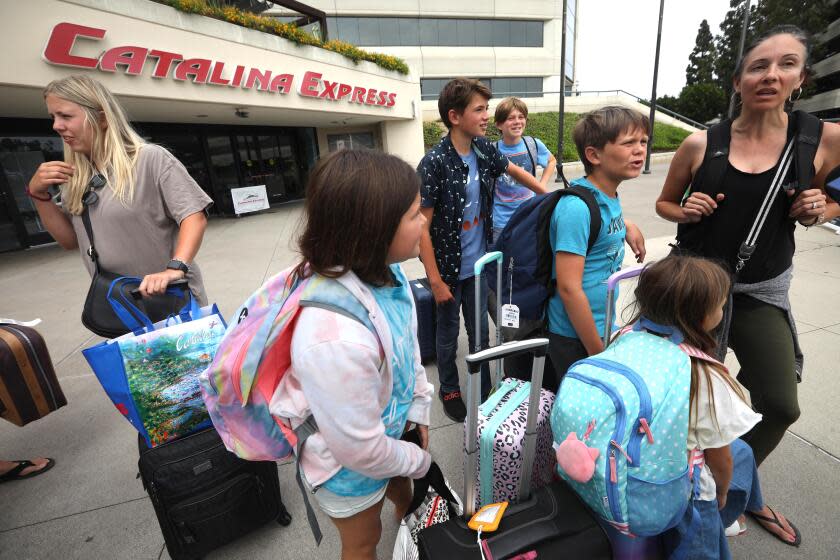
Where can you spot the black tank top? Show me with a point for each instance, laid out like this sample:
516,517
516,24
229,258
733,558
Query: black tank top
725,230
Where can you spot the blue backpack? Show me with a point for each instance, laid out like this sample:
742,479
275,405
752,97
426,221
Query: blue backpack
631,403
527,250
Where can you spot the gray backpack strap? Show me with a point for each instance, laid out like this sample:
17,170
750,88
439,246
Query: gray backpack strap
303,432
531,147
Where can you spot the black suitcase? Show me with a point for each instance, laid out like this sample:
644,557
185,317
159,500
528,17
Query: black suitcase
424,300
552,521
205,496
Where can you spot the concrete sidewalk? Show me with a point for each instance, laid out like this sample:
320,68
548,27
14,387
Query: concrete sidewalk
92,506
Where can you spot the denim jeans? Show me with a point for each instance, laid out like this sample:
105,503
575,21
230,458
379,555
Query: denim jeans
448,327
708,540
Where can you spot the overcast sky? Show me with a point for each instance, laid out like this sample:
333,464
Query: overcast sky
617,42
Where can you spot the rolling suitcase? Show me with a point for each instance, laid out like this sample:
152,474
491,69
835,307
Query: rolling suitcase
424,301
29,388
502,420
551,522
205,496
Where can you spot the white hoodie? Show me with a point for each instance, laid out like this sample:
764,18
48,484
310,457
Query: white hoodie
343,377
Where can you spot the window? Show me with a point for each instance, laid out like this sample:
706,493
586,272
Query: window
351,141
501,86
436,32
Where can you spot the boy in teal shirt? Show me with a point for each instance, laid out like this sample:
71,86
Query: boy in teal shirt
612,143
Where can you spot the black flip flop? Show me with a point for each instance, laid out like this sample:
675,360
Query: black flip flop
775,521
22,465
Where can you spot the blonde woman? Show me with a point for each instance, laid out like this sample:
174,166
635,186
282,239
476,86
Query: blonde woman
147,213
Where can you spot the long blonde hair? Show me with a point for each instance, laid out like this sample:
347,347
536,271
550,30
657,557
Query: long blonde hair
114,150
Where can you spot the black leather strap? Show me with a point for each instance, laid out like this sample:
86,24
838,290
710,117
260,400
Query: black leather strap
89,231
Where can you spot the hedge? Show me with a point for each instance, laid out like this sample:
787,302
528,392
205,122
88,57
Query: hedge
666,137
288,31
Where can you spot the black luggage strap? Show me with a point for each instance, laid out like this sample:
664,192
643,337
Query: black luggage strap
303,432
433,478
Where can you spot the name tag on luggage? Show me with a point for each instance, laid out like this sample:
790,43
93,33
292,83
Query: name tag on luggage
510,316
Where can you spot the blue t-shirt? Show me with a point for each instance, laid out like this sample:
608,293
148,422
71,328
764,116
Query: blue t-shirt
473,241
569,232
395,303
509,194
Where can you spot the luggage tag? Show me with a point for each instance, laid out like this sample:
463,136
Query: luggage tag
510,312
487,519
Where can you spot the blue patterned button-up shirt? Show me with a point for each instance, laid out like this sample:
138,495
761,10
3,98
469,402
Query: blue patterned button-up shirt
444,179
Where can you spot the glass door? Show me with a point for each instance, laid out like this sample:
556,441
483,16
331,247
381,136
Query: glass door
19,159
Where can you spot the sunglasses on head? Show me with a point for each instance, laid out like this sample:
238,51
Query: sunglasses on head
91,197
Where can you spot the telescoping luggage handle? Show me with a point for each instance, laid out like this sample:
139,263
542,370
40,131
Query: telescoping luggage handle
535,346
612,282
478,268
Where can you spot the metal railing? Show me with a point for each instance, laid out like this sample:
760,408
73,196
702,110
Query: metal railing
578,93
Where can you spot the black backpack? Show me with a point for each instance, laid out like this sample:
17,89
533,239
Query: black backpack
807,131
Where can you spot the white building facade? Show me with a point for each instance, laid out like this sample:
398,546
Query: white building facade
515,47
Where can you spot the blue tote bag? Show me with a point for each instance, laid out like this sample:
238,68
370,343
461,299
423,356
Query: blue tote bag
151,374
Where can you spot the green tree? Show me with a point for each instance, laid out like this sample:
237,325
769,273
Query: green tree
702,102
669,102
726,43
701,61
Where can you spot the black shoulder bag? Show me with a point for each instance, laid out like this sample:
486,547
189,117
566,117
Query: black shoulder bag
98,316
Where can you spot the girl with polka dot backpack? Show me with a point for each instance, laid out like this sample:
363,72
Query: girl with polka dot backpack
647,431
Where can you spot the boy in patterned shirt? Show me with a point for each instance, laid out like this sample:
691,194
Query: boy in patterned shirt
458,177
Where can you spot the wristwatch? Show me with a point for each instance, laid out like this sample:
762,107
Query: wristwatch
176,264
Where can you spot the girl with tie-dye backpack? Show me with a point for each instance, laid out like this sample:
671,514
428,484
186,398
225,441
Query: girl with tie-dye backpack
327,351
665,418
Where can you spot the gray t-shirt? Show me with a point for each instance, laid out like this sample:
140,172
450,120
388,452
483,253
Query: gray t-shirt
139,238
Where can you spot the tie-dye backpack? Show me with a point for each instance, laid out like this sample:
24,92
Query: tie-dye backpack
631,402
254,356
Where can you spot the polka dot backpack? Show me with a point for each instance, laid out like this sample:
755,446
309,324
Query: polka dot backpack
631,403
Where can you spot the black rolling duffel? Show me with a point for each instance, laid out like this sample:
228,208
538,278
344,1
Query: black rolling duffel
424,301
205,496
552,521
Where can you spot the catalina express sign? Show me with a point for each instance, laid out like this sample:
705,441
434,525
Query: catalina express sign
132,60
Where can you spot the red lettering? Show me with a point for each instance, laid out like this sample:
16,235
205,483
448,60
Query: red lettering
371,97
263,78
329,90
216,75
237,76
309,84
392,100
344,90
198,68
282,83
383,98
133,58
358,95
164,63
61,42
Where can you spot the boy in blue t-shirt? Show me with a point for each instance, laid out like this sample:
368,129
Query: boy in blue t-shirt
612,143
524,151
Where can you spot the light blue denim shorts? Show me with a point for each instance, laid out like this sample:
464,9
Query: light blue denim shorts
342,507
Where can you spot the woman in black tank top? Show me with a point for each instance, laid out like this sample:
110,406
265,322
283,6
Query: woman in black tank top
718,213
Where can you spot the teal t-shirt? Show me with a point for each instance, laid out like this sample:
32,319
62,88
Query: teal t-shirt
569,232
509,193
395,303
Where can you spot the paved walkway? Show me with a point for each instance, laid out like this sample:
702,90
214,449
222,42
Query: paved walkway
92,506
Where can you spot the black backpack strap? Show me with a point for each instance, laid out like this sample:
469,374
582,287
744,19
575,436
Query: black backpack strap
711,172
595,221
808,134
